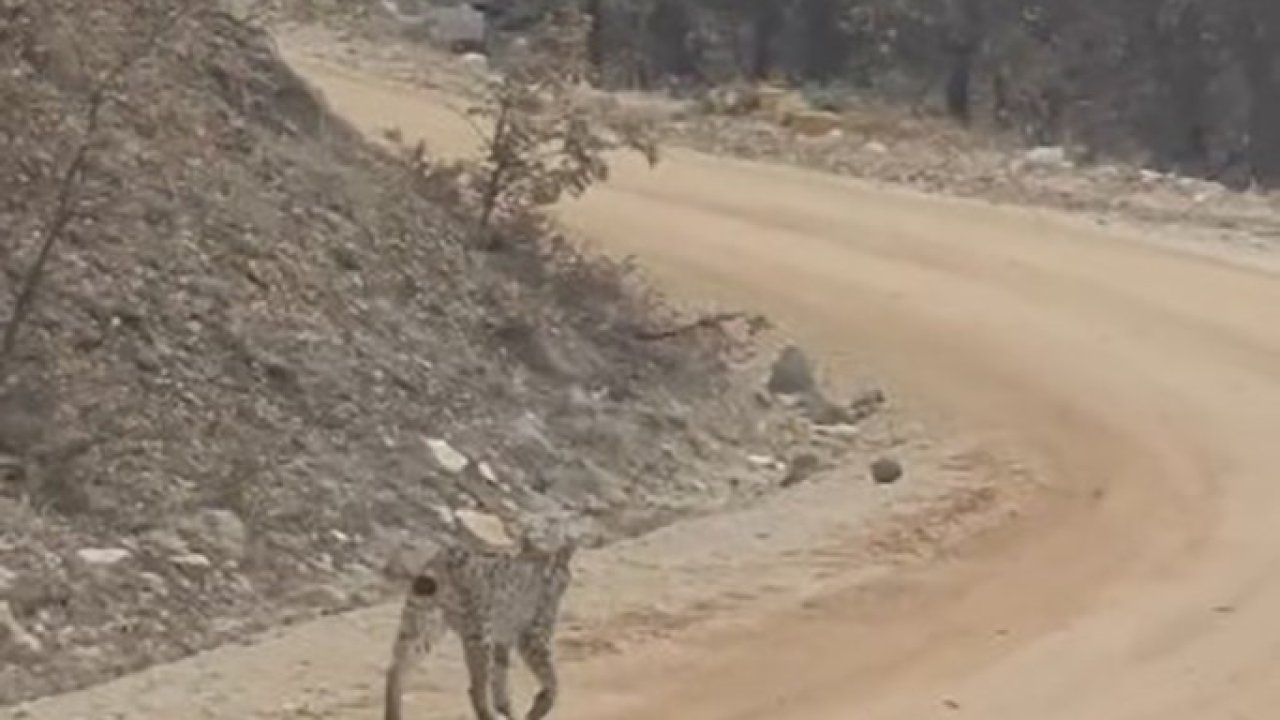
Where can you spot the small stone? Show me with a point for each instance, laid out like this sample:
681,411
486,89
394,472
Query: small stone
446,457
867,400
792,373
886,471
192,561
7,579
322,596
155,584
838,430
167,541
801,468
876,147
102,557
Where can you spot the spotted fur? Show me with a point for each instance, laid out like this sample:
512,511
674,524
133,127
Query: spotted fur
495,602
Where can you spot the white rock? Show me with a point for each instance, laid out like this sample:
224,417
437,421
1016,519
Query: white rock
838,430
1048,156
446,457
876,147
475,62
192,561
486,528
102,557
446,515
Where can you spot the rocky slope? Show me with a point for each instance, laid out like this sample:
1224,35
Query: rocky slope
260,362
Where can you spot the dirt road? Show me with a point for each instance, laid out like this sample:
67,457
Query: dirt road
1148,381
1145,383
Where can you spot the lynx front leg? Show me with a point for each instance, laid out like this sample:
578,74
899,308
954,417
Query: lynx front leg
535,649
478,654
421,623
500,681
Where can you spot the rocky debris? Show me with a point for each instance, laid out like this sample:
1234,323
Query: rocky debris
192,562
792,373
217,531
477,63
822,411
867,402
102,557
801,467
166,540
584,484
325,596
15,638
7,579
731,100
765,462
446,458
886,471
844,431
1046,157
812,123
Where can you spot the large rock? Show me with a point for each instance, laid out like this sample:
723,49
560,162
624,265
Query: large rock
792,373
485,528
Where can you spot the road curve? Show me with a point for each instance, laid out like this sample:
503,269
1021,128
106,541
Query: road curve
1145,583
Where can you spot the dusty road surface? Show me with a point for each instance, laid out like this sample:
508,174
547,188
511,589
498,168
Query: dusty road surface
1145,384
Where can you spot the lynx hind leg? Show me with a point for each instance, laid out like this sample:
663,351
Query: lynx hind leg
421,625
535,650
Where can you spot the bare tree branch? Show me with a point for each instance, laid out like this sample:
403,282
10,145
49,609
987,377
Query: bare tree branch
64,209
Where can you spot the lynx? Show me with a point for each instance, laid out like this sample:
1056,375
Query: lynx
494,602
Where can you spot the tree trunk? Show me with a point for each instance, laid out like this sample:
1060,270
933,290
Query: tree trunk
594,10
1258,56
766,22
962,41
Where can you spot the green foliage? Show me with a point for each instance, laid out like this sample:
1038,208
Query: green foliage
542,137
